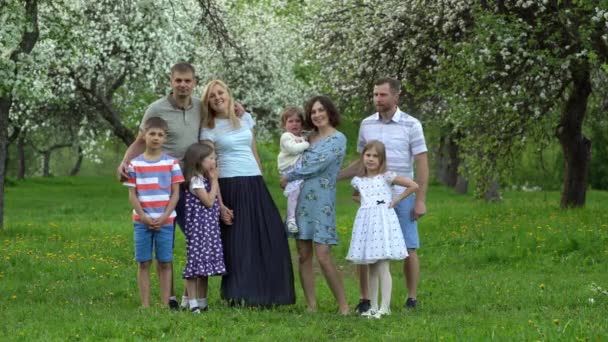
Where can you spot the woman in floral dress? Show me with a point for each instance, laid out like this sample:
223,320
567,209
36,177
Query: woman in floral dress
316,210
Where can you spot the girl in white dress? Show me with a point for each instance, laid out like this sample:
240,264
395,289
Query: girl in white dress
377,237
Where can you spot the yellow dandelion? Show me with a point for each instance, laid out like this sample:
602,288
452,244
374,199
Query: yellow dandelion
556,321
14,297
542,286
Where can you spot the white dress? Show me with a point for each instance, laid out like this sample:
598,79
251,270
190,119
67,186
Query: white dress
376,231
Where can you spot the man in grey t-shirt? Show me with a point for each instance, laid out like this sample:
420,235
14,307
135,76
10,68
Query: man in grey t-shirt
181,111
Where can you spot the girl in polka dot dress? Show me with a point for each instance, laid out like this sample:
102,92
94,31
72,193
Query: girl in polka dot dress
377,237
202,226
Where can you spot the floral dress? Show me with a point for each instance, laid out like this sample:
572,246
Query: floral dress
202,230
316,210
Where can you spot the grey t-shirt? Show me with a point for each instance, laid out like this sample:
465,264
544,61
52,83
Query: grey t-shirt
184,123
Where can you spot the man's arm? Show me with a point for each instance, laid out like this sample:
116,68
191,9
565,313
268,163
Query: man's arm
422,178
136,148
350,171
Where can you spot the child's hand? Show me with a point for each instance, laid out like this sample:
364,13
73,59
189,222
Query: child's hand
283,182
213,173
148,221
226,215
394,203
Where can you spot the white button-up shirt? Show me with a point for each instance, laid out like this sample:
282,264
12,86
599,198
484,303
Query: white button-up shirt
402,136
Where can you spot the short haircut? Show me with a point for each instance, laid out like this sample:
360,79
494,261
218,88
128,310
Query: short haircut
289,112
183,67
381,150
156,122
393,83
330,108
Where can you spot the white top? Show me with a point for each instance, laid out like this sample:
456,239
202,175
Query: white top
197,182
233,147
402,136
292,148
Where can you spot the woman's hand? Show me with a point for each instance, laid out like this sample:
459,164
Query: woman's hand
226,215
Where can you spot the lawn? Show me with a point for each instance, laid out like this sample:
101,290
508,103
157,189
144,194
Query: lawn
523,269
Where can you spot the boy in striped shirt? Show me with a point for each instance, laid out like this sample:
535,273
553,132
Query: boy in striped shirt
153,183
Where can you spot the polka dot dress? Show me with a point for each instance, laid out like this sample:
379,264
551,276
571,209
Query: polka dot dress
376,231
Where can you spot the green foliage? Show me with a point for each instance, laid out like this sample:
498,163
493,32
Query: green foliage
523,269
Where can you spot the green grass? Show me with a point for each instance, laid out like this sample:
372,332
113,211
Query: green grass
522,269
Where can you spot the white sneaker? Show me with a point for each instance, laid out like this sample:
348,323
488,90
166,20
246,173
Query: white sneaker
384,312
371,314
292,227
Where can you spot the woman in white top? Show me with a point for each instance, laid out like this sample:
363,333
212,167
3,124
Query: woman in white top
255,244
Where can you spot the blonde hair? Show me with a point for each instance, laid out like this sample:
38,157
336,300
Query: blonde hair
381,150
208,115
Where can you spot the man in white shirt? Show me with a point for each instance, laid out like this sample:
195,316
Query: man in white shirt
403,138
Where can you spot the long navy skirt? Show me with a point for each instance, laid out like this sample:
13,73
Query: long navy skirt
256,252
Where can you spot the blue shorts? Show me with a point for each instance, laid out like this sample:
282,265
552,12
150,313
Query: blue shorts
409,227
147,239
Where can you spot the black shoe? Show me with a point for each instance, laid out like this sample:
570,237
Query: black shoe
410,303
195,310
173,305
363,306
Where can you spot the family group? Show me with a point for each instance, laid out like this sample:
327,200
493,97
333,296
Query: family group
194,164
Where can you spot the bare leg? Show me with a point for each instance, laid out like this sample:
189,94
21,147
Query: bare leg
164,278
411,269
307,276
374,278
332,276
202,286
143,281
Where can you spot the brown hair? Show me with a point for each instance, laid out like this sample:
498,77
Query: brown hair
381,150
289,112
193,157
183,67
156,122
393,83
332,112
208,115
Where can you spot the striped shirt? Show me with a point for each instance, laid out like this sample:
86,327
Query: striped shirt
402,136
152,180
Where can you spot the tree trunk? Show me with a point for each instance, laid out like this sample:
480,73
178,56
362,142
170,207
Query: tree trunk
26,44
575,146
448,161
46,163
78,164
462,185
5,107
21,156
493,193
102,101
